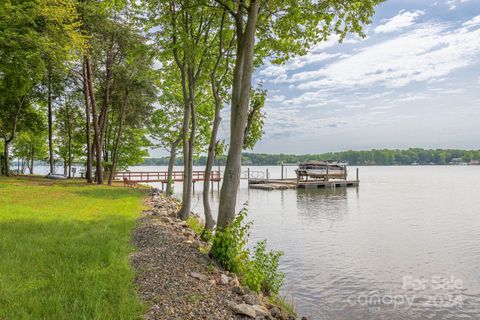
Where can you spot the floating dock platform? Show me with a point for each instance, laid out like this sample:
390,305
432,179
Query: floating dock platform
283,184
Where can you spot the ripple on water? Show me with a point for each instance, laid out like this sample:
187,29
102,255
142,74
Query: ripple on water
342,244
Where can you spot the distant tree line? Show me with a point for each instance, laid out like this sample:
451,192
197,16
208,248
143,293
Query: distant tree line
384,157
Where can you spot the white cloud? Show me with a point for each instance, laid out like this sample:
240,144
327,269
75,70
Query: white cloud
472,22
402,20
273,71
355,106
275,98
453,4
278,73
429,52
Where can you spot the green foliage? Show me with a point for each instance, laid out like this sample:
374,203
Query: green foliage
286,303
195,224
366,157
134,147
261,271
228,246
258,270
30,146
165,126
371,157
70,131
254,129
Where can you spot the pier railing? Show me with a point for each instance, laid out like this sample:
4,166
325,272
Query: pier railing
162,176
254,174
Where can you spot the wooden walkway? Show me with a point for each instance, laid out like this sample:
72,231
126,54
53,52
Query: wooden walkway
133,177
283,184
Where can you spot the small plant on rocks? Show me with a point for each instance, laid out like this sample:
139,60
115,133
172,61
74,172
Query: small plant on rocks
228,246
258,270
261,270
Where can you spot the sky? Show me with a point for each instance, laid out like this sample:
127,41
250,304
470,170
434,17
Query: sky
414,81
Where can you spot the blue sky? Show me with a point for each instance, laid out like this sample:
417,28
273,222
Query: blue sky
413,82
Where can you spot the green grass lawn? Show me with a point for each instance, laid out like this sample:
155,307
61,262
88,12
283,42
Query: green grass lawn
64,249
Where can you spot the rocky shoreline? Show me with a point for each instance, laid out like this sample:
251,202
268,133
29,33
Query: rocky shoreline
177,281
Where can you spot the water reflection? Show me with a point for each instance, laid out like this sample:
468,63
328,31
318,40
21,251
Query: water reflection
316,205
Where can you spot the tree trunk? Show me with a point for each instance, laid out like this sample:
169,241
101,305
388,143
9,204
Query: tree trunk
32,156
88,172
239,110
186,192
6,165
69,148
117,142
12,136
50,121
65,167
171,163
103,117
189,143
2,167
209,222
96,129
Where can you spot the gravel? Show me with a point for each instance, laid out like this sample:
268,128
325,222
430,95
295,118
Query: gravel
177,281
165,262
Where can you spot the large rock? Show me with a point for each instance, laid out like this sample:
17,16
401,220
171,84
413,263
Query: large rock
199,276
234,282
279,314
244,310
224,279
239,290
166,219
251,299
261,311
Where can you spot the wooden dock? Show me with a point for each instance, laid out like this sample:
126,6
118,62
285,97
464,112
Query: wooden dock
135,177
272,184
298,183
283,184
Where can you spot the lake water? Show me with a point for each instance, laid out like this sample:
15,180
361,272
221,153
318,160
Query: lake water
403,245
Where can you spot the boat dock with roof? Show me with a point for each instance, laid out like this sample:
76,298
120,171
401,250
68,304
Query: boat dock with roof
310,175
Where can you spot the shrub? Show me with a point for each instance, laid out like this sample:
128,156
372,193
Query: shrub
259,270
195,224
229,242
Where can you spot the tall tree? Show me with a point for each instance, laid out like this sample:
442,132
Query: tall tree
282,29
220,81
70,138
133,91
88,130
29,31
186,30
31,143
165,128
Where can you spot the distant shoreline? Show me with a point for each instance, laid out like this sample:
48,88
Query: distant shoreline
375,157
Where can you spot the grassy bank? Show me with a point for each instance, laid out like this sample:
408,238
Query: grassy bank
64,250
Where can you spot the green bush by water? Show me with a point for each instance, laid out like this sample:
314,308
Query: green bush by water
257,270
